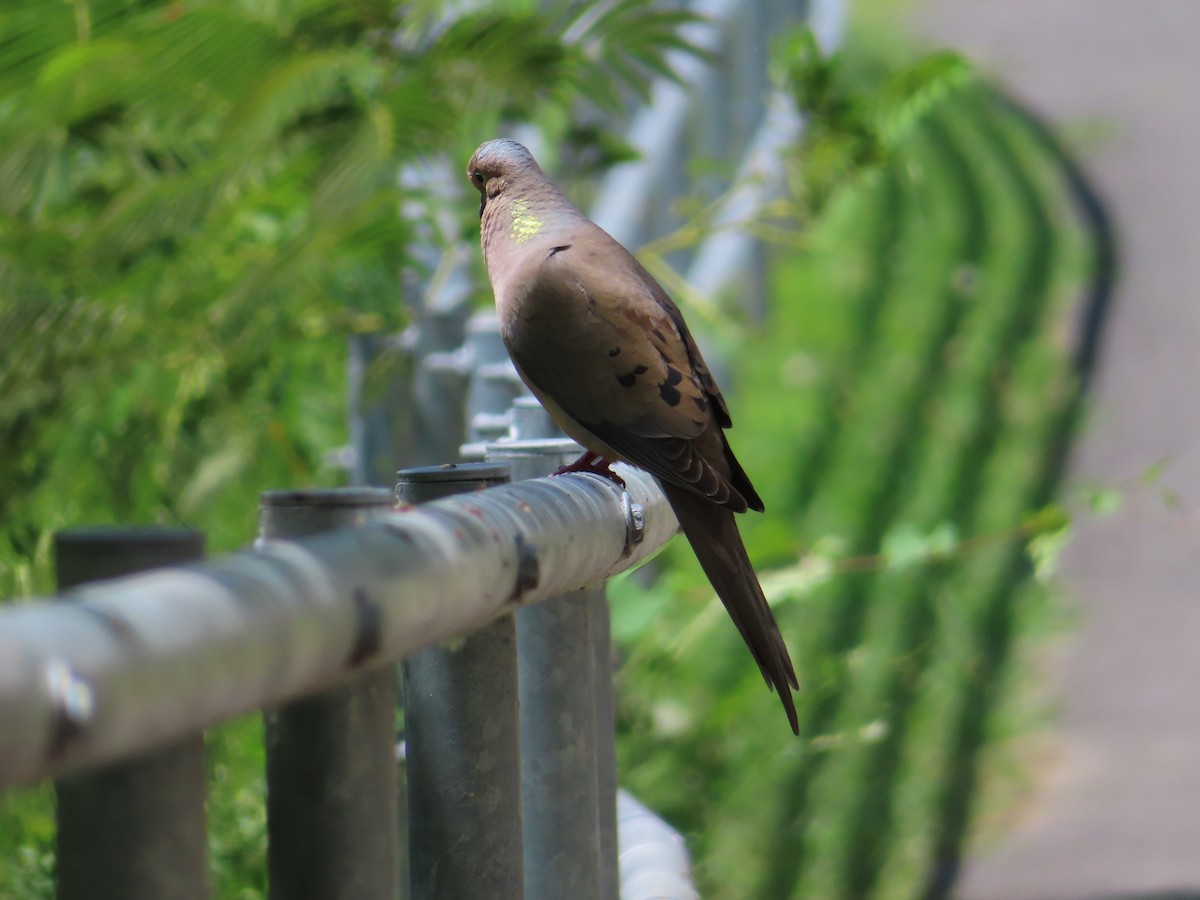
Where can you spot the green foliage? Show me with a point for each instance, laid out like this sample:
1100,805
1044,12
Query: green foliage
906,545
905,404
199,202
1046,549
853,130
237,809
27,839
628,38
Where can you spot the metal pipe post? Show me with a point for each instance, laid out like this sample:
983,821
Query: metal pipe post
560,783
494,380
380,379
135,829
439,394
531,421
606,743
331,770
654,859
462,747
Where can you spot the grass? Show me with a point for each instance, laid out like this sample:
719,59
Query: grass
915,340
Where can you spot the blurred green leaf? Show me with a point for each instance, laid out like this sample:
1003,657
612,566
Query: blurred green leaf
1154,472
907,545
1105,501
1045,551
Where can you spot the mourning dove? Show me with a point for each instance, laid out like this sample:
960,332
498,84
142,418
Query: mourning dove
607,353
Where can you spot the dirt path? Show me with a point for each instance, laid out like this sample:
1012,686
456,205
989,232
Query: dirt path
1119,814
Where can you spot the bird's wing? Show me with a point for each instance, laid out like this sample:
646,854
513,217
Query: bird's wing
597,334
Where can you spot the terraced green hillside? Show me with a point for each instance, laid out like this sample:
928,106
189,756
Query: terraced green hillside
910,395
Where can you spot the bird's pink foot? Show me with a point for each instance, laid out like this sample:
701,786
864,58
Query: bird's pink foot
594,463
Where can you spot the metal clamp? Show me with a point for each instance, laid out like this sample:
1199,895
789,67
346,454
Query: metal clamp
635,521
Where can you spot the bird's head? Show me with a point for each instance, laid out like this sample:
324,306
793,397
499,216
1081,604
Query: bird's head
497,165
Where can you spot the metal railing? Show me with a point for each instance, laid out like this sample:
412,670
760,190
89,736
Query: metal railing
121,668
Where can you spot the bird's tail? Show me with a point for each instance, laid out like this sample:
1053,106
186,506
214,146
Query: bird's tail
713,534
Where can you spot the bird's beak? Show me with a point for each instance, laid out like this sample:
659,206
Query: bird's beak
482,203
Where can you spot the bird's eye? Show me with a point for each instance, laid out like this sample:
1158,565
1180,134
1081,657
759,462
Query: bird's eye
477,177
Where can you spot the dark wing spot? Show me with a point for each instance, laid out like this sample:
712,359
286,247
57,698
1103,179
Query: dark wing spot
630,377
662,338
674,376
670,396
559,249
701,404
615,351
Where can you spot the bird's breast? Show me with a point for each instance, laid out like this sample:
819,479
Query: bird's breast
531,312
